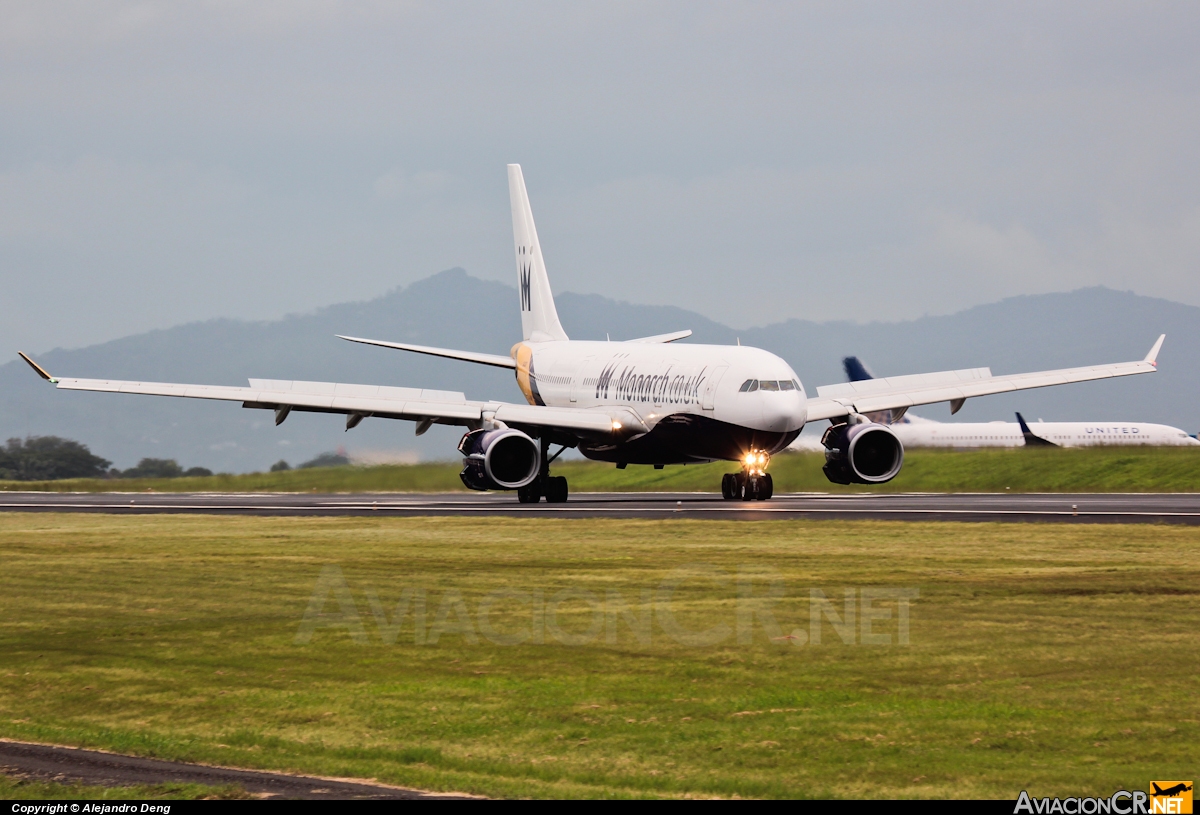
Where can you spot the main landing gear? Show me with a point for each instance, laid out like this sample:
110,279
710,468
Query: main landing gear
553,487
753,483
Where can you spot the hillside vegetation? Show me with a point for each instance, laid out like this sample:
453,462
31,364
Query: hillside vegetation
1062,330
1083,470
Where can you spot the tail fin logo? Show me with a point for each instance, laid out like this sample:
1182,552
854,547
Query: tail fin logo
524,275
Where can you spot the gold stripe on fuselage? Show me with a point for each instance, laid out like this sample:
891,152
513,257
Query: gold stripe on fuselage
526,380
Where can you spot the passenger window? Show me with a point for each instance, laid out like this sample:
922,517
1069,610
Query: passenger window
768,385
787,385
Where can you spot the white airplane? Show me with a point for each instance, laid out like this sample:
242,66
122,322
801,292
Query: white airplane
915,431
642,401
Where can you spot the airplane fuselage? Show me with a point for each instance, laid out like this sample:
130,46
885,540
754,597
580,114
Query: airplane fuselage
698,402
1063,434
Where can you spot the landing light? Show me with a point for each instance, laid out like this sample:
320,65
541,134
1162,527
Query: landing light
616,425
755,460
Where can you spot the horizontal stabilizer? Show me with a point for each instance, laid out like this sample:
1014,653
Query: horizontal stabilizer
664,338
449,353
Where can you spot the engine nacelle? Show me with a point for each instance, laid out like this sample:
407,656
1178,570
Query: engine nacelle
500,459
865,453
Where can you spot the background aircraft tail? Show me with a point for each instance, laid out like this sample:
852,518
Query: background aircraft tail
856,370
1030,439
539,318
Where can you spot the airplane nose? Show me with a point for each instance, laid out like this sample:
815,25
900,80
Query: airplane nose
783,412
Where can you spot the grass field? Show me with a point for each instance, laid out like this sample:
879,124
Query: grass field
1058,659
1112,469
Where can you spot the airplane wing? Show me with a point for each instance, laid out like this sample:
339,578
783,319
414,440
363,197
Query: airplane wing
955,387
361,401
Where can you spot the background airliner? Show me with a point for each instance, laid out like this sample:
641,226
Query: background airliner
641,401
915,431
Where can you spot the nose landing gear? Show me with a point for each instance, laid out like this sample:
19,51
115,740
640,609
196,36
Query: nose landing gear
753,483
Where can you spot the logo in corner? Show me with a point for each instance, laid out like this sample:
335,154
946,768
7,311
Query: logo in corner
1170,797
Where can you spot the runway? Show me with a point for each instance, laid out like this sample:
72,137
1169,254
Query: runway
69,765
1181,508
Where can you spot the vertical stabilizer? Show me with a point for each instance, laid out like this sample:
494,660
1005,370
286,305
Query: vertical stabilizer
1030,439
856,370
539,319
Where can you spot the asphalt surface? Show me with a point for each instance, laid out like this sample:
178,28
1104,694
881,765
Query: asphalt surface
70,765
1182,508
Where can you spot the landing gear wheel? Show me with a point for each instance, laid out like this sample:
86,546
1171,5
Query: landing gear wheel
727,486
766,487
556,489
530,493
759,487
732,486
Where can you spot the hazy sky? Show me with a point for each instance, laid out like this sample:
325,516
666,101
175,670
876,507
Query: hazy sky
171,161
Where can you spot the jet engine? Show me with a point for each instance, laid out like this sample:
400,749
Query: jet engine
866,453
499,459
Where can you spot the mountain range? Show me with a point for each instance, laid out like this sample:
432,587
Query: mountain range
453,309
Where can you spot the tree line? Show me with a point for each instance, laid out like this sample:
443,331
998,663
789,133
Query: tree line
49,458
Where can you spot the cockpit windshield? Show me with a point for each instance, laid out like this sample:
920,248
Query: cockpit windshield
752,385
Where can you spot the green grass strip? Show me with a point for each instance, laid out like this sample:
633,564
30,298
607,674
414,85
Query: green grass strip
1058,659
1100,469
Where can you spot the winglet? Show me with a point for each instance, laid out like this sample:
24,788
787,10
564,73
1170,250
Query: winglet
1152,357
40,370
